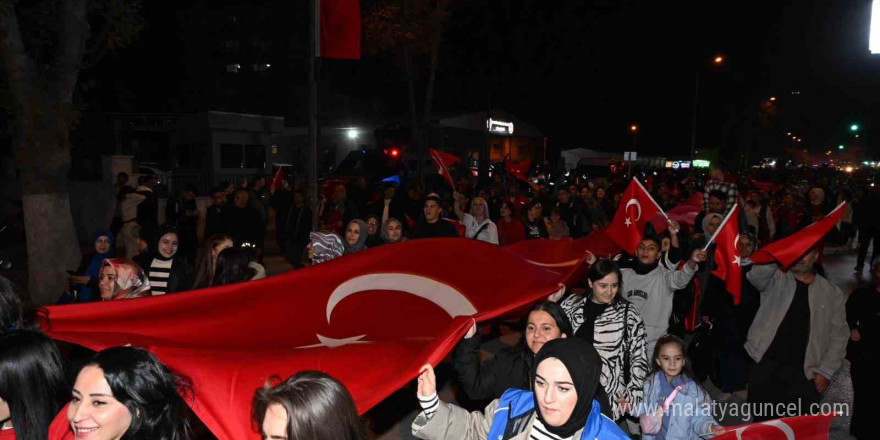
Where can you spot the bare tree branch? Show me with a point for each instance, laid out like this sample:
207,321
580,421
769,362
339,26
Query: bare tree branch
18,65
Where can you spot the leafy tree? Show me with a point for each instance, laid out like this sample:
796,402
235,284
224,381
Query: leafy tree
411,31
45,44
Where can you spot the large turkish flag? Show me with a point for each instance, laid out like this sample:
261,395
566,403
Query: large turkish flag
565,256
636,210
370,319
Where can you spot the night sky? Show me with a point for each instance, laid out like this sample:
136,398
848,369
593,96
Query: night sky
581,72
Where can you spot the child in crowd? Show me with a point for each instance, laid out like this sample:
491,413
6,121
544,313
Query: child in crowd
689,414
557,227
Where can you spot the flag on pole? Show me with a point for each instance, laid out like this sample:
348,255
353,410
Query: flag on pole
277,181
727,254
790,249
339,29
636,210
443,162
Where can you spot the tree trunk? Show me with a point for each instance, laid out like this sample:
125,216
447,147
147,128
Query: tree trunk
437,36
414,125
44,114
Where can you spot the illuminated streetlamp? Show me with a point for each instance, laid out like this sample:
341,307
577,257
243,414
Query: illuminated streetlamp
718,61
773,98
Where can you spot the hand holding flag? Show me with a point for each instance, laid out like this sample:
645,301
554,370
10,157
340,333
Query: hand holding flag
727,254
637,209
443,162
790,249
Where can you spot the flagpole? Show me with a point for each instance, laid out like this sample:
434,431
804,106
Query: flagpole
314,53
652,199
721,226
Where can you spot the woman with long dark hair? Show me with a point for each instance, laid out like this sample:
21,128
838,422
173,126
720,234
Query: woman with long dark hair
613,326
510,367
308,405
125,392
207,264
10,307
234,266
31,385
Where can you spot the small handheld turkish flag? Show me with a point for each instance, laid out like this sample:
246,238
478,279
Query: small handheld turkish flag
519,170
636,210
443,162
790,249
727,255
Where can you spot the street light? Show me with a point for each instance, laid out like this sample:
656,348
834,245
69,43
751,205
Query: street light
840,147
854,127
633,128
718,61
773,98
789,133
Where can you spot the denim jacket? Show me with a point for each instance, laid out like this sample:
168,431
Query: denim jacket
690,412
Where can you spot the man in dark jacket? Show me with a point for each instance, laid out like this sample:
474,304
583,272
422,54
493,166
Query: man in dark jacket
214,214
148,210
571,213
433,225
297,226
243,221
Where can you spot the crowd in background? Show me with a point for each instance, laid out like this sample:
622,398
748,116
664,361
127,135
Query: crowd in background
631,311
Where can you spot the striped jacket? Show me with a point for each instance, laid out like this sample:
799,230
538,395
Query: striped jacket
608,341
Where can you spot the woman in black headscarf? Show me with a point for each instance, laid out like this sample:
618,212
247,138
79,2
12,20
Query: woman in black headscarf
566,369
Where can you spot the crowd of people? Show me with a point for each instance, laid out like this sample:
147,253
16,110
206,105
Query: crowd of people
598,360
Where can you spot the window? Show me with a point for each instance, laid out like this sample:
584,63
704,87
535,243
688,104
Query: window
191,156
242,156
233,68
255,156
231,155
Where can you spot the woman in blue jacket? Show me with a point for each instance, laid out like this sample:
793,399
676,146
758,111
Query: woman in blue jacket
566,370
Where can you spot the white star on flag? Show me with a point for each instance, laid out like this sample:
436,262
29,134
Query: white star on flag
628,222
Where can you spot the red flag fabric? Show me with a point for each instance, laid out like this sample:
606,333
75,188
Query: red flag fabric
790,428
518,170
277,180
685,214
727,255
340,29
636,210
370,319
443,162
565,257
790,249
